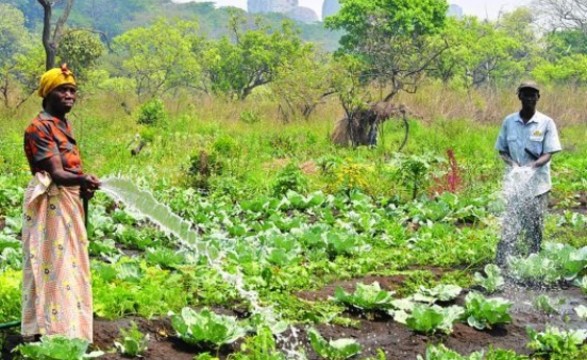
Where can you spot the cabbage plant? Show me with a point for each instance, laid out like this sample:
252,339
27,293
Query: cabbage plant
57,347
430,319
492,281
206,327
484,313
365,297
554,341
334,349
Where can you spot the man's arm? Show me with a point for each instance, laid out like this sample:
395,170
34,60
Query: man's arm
541,161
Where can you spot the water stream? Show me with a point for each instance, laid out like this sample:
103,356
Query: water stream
142,203
518,193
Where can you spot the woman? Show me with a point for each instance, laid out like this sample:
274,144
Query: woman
57,295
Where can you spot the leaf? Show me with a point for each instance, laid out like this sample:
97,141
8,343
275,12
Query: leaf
365,297
492,281
425,319
207,327
336,350
484,313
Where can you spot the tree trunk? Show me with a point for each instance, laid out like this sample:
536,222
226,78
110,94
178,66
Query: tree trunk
50,43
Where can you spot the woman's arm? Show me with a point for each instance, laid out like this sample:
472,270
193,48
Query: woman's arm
54,167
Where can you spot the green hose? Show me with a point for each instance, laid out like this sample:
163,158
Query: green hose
9,325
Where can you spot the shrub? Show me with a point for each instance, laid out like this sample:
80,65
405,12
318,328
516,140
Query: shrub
152,113
290,178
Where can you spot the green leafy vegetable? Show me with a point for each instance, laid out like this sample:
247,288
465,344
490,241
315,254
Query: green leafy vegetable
365,297
57,347
439,293
206,327
484,313
553,341
428,319
492,281
441,352
335,349
133,343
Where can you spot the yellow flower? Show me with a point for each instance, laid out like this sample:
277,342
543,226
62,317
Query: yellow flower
55,312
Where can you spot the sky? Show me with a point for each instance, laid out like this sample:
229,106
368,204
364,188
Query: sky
480,8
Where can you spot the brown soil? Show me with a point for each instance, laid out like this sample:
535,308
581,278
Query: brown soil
395,339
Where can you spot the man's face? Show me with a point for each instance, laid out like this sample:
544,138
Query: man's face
63,97
529,97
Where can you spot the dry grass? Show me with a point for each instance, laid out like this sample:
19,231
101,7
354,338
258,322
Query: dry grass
566,105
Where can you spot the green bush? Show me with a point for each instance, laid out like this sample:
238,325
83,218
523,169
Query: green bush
152,113
10,283
290,178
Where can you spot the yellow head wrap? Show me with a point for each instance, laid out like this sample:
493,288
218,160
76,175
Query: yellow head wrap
54,78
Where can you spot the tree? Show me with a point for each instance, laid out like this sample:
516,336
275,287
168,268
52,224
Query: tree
389,42
391,38
251,58
301,84
560,43
480,53
19,66
51,41
563,14
33,13
162,56
80,49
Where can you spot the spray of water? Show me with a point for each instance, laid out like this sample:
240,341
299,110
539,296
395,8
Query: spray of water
518,195
142,203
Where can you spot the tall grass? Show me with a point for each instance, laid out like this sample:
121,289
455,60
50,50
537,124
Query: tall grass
254,143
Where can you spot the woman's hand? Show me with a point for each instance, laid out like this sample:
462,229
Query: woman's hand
89,184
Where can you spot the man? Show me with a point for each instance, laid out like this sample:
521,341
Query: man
526,142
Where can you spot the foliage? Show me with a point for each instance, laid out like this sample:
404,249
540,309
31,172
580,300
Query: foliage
556,343
18,58
390,37
302,84
567,70
440,292
334,349
290,178
483,52
129,287
152,113
414,170
259,347
554,263
365,297
441,352
161,57
206,327
429,319
80,50
57,347
492,281
133,342
238,64
483,313
110,18
10,284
